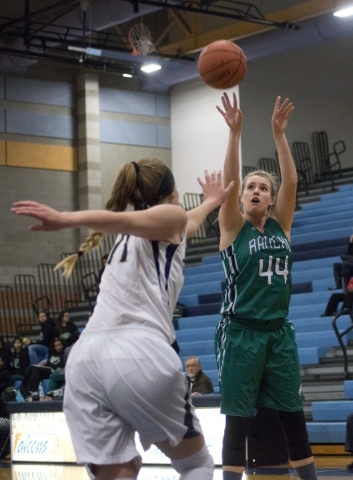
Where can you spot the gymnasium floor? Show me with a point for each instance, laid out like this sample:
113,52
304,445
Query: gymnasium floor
328,468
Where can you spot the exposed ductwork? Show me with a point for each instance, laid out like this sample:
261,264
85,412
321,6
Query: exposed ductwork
100,15
103,14
313,31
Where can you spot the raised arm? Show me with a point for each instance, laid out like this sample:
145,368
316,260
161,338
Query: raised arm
285,204
162,222
214,195
230,217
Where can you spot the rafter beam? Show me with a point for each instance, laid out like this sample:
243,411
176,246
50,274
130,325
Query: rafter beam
32,16
229,9
297,13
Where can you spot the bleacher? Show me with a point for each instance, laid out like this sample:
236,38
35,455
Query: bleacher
320,234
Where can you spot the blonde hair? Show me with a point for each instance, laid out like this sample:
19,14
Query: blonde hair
138,184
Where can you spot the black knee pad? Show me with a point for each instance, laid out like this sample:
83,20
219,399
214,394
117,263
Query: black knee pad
294,427
235,432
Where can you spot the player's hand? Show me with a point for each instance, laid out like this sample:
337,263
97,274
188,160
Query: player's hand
231,113
213,188
51,219
280,116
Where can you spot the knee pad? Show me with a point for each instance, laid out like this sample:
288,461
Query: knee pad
235,432
294,427
197,466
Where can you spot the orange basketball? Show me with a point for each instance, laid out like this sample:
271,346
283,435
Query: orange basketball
222,64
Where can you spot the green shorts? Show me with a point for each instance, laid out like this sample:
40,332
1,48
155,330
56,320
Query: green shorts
258,367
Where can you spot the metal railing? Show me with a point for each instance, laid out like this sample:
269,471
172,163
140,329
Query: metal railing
51,292
209,227
7,311
340,335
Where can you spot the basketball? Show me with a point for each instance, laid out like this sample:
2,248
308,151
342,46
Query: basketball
222,64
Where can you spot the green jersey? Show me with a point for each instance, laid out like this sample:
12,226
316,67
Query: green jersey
257,270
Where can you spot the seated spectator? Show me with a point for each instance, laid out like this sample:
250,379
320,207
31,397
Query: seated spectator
36,373
346,297
19,361
344,270
5,352
349,438
38,350
57,378
66,329
199,382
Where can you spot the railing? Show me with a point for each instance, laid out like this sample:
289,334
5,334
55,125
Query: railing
340,335
52,292
26,293
7,310
210,225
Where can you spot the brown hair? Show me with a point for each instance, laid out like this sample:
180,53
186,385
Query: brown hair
141,184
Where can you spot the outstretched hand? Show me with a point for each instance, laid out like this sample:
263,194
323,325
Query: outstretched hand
213,189
51,219
231,113
280,116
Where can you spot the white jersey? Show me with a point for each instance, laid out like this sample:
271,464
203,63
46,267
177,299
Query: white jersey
140,285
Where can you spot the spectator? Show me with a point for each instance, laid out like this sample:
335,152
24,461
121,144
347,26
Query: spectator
20,360
344,270
66,329
39,349
346,297
36,373
5,352
57,378
349,438
200,383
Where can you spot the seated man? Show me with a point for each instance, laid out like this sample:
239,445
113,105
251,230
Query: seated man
200,383
344,270
346,297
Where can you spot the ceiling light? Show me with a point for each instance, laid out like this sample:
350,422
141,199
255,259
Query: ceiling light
127,75
344,12
150,67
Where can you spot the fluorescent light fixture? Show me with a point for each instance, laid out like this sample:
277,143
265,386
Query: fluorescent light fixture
127,75
150,67
344,12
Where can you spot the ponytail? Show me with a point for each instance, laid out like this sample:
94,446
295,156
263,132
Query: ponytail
92,241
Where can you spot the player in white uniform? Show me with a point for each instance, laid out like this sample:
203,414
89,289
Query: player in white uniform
123,376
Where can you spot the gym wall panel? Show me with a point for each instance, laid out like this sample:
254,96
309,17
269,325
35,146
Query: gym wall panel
50,157
40,91
163,136
24,122
163,106
124,101
2,153
128,133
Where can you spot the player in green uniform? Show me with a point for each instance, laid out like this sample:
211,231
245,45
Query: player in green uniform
256,351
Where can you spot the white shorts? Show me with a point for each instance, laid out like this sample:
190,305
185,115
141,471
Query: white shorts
121,381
